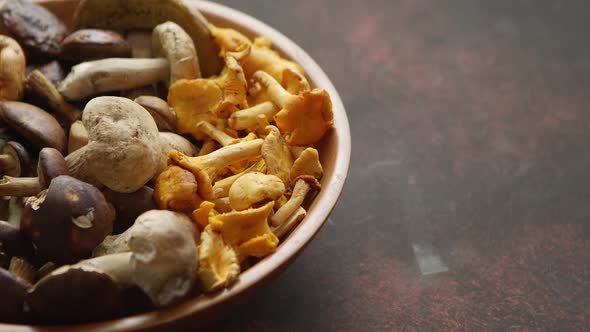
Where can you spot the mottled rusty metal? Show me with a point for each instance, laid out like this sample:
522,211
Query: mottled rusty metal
470,125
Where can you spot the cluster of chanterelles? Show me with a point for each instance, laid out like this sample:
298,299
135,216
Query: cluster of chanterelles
87,225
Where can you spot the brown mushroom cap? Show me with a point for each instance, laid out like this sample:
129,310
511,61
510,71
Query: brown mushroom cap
50,165
14,243
74,294
130,206
36,125
67,221
163,115
14,291
33,26
15,160
90,44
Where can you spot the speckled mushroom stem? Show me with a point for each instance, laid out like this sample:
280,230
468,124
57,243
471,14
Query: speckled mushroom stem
11,186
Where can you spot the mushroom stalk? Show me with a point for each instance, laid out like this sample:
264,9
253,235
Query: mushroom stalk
94,77
247,119
302,187
11,186
43,89
216,134
291,222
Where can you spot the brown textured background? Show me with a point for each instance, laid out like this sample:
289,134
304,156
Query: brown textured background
470,126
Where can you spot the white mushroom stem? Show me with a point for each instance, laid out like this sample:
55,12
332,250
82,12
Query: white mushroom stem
248,119
284,212
291,222
94,77
117,266
19,186
215,133
78,136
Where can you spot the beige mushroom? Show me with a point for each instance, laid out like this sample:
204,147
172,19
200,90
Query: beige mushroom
303,186
218,262
123,152
171,141
308,163
254,188
164,257
12,69
221,187
94,77
164,116
169,40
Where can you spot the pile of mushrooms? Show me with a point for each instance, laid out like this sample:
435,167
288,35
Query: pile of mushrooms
144,165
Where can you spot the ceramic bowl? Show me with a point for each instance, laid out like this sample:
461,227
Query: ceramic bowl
335,154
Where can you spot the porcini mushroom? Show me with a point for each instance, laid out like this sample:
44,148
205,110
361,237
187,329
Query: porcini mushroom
164,257
89,44
277,155
169,40
37,126
303,118
172,141
42,89
254,188
303,185
207,99
247,230
123,152
68,220
91,78
164,116
205,168
14,160
146,14
51,164
99,281
35,27
12,69
218,262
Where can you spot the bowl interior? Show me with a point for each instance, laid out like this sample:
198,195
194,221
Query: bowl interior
334,152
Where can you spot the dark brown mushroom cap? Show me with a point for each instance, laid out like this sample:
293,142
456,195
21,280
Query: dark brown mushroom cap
130,206
74,294
163,115
34,27
90,44
51,165
14,292
68,220
14,243
37,126
20,156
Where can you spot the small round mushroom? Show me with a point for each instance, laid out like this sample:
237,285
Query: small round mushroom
14,160
254,188
68,220
90,44
51,164
123,152
164,116
37,126
12,69
14,292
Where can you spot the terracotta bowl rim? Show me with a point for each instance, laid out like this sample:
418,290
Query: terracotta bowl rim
317,215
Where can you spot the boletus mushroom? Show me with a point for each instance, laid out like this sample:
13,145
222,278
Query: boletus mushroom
37,126
51,164
123,151
90,44
68,220
12,69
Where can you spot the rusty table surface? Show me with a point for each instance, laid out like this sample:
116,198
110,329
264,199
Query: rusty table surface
467,205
